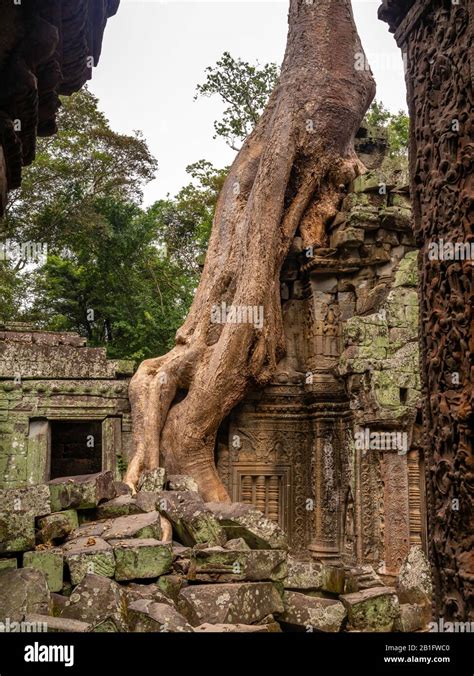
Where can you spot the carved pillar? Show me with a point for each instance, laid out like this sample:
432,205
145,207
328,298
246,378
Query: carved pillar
436,38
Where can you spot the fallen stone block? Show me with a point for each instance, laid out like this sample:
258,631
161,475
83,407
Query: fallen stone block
238,603
58,602
141,559
7,564
412,618
152,481
23,591
124,527
81,492
57,526
240,520
33,499
97,599
17,531
217,564
237,544
193,522
207,628
121,488
50,562
311,612
182,482
57,624
149,616
303,575
414,579
146,502
151,592
374,609
89,555
171,585
123,505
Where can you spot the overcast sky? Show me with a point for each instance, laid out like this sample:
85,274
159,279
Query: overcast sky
155,52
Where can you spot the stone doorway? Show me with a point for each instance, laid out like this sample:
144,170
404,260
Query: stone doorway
76,447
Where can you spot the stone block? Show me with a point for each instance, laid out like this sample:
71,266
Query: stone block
374,609
240,520
312,612
149,616
221,565
412,618
123,505
33,499
152,481
97,599
141,559
145,525
58,624
81,492
17,531
89,555
193,522
50,562
238,603
182,482
57,526
8,564
23,591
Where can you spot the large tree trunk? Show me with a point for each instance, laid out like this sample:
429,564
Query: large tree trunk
289,176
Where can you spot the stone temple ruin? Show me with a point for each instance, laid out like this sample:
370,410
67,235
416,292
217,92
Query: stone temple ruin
328,454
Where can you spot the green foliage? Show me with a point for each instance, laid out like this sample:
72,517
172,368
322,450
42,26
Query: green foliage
84,162
121,291
396,125
244,88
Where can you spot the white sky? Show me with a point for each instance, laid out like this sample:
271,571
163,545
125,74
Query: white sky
155,52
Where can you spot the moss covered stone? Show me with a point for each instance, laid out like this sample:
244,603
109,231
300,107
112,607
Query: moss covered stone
141,559
50,562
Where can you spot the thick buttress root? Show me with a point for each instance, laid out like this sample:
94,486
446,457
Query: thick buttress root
289,177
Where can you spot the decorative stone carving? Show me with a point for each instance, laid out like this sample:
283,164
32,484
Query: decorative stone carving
437,40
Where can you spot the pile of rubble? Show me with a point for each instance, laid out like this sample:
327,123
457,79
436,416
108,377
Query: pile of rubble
82,554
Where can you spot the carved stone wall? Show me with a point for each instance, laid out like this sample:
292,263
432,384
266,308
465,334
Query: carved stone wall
47,378
437,40
350,315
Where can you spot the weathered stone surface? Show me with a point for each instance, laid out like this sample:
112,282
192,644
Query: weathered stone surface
57,526
374,609
242,520
97,599
171,585
207,628
237,544
17,531
148,616
50,562
23,591
193,522
152,592
141,559
81,492
89,555
123,505
58,603
412,618
303,575
124,527
310,611
238,603
414,580
182,482
121,488
146,502
332,578
152,481
6,564
33,499
221,565
58,624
